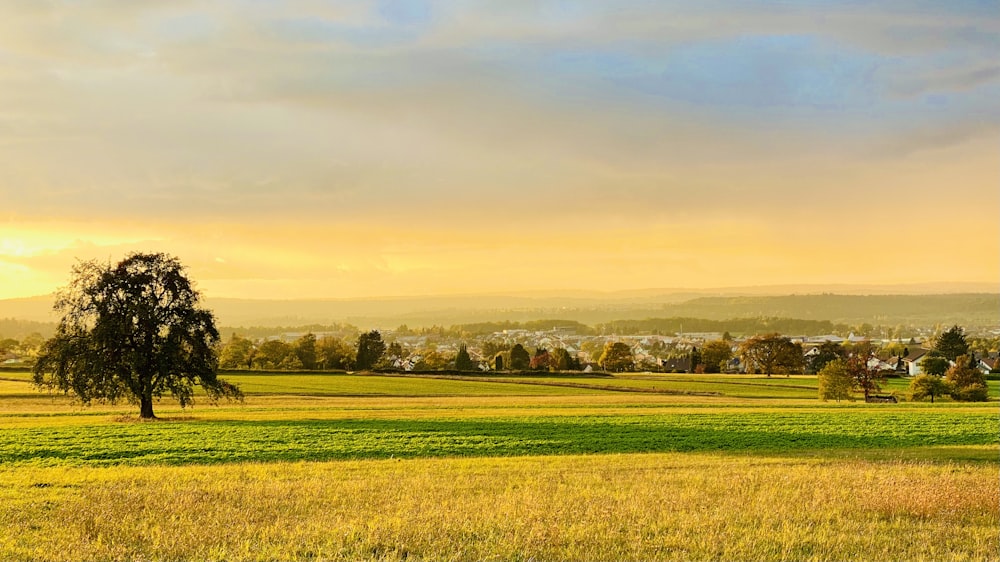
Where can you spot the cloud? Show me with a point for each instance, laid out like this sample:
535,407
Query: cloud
458,117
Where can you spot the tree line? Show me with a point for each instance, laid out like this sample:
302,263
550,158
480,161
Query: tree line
949,369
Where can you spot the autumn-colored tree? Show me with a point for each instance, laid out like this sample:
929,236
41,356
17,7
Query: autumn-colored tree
541,360
865,370
617,357
966,382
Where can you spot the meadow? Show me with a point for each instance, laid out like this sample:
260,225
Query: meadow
346,466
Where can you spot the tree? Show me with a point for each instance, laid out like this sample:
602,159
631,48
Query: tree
696,365
934,365
520,360
951,343
617,357
490,348
7,345
272,354
835,381
305,351
561,360
31,344
541,361
863,366
132,331
431,359
772,353
592,348
393,356
923,386
238,353
334,353
370,350
968,384
463,362
826,352
716,355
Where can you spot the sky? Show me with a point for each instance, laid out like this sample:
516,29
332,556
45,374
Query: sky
292,149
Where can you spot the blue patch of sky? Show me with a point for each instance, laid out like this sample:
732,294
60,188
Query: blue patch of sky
789,77
405,12
760,72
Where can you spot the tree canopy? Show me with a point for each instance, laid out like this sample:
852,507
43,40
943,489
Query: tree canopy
370,350
835,381
520,359
923,386
864,368
617,357
715,355
952,343
772,353
965,382
463,361
132,331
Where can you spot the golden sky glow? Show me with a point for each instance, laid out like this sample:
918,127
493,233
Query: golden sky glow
399,148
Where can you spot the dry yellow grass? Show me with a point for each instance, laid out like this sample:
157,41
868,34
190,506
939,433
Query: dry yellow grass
646,506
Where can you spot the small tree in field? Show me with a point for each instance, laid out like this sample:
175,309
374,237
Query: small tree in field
923,386
863,366
132,331
835,381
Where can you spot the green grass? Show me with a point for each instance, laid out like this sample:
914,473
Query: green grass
262,440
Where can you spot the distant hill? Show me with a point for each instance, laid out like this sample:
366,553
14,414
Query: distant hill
973,310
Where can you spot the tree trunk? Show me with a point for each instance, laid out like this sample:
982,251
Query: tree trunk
146,408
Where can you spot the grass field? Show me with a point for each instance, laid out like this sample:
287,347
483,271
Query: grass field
339,466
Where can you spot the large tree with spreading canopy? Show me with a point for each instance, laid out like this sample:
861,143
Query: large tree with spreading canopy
132,331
